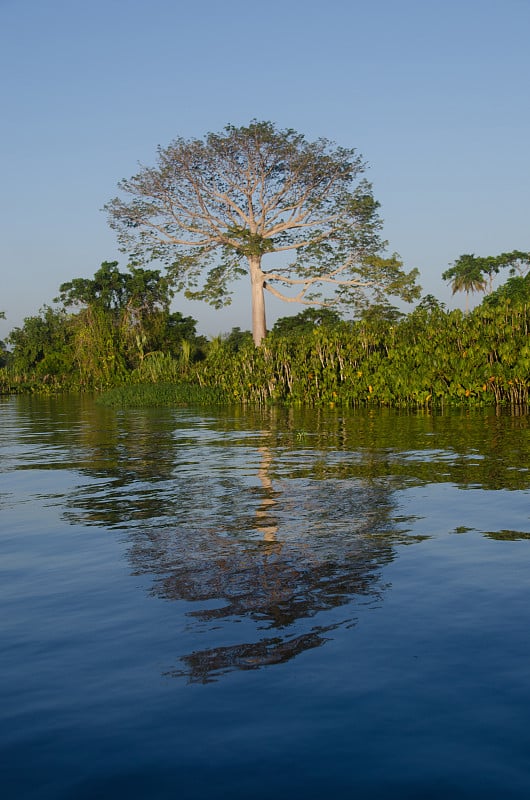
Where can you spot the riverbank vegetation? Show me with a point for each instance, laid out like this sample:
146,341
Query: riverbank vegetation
299,220
116,332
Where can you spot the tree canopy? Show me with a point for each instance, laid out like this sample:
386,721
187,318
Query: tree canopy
471,273
112,290
297,217
466,275
307,320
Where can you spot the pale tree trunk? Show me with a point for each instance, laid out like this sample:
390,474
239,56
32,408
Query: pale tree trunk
257,280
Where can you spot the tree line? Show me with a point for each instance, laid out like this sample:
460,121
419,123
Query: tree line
116,330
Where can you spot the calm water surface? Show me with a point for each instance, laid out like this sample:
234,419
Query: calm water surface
256,604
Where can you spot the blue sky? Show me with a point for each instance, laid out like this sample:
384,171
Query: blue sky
435,95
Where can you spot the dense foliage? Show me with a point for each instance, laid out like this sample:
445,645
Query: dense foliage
429,357
118,331
112,329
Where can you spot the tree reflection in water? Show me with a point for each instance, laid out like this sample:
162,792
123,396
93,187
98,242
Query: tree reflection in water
287,555
272,537
286,582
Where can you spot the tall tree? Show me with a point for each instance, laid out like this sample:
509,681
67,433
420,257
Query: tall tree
215,209
466,275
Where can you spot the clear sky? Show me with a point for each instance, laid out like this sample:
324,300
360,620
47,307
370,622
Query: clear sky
435,94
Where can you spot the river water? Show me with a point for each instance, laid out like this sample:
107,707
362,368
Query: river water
247,604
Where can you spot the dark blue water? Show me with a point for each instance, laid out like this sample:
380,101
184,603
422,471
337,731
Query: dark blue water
252,604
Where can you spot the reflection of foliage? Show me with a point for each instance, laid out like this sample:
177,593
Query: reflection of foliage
205,666
285,572
266,549
247,523
507,536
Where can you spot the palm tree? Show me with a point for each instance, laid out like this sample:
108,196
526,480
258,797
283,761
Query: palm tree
466,275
